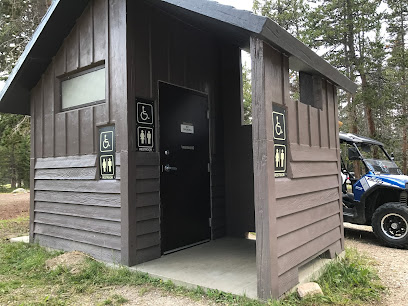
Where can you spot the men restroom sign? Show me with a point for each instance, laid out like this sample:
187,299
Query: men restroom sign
280,140
145,125
106,154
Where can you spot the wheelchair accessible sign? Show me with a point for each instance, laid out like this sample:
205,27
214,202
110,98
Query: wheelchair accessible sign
145,125
106,154
280,140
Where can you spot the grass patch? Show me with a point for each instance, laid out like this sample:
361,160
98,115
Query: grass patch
347,281
6,188
115,300
344,282
14,227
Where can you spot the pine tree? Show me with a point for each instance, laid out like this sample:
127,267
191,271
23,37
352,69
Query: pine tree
15,149
398,63
345,29
18,20
247,94
289,14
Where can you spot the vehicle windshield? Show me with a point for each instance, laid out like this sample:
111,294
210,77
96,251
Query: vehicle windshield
382,166
376,159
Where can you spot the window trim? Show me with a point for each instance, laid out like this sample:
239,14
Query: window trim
77,73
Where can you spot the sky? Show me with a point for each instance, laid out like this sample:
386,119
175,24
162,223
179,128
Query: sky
239,4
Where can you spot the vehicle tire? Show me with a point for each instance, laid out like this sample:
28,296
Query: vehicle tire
390,224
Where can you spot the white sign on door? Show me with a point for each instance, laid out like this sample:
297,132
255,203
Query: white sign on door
187,128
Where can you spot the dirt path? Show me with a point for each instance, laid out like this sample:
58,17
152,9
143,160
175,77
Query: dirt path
392,264
144,296
14,205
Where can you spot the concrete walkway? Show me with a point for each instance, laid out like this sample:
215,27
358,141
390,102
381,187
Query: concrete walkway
227,264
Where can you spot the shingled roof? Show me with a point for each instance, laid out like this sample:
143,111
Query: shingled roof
224,21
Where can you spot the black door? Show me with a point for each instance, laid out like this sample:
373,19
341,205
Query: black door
185,180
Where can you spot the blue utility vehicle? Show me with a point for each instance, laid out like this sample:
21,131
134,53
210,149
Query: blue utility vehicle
378,193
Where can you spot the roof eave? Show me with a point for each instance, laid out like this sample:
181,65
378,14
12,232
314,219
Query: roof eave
44,44
25,109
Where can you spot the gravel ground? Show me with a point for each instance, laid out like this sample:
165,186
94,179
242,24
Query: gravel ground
13,205
392,264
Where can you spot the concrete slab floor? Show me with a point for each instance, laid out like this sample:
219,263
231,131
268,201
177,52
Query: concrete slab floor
227,264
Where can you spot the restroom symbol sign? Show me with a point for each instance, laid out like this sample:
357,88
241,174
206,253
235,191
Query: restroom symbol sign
107,166
106,152
144,113
279,126
280,159
145,138
106,141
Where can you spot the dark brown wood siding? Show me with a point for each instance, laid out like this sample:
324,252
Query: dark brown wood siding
71,208
307,203
73,211
162,48
309,209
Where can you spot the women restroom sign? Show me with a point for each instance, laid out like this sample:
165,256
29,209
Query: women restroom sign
280,140
145,125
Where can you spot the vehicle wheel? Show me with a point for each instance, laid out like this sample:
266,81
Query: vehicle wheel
390,224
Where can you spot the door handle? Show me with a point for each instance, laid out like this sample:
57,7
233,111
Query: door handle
168,168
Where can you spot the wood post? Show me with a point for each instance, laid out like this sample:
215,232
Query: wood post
264,180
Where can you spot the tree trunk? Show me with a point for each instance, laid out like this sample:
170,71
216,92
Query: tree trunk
13,183
13,168
404,149
369,114
404,98
353,129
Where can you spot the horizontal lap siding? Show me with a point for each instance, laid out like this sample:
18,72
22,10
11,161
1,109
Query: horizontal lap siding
73,211
101,253
309,217
147,206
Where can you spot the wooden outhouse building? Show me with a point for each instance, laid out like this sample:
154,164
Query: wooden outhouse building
138,144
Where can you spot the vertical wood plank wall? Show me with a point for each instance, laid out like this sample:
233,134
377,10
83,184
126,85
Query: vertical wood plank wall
162,48
307,204
71,208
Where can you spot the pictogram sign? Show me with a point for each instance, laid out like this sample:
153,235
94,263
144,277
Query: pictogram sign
280,140
106,154
144,113
145,129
